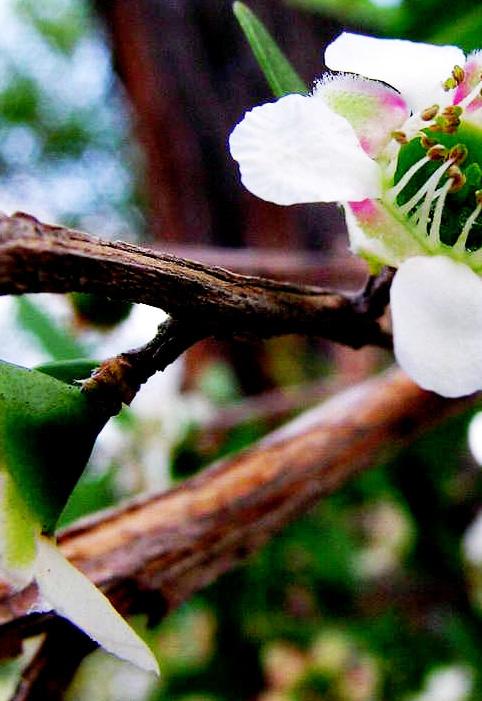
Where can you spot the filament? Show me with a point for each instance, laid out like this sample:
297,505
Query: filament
473,95
404,180
434,235
462,240
433,180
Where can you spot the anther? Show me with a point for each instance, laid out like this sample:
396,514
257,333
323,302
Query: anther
458,154
437,153
478,196
457,177
425,141
429,113
455,79
458,74
400,137
452,111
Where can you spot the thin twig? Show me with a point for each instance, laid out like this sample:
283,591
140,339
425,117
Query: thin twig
118,379
51,670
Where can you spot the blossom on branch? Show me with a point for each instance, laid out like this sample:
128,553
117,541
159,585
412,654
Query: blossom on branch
406,164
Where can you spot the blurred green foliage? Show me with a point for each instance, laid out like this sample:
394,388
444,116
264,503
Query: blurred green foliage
438,21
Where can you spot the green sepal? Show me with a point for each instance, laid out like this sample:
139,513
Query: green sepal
19,529
47,432
278,71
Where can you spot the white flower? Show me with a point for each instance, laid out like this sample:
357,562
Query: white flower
406,163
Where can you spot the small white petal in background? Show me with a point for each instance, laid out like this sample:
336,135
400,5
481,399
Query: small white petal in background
472,542
416,70
452,683
475,437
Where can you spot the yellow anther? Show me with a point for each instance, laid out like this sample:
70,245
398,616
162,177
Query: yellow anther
458,74
478,196
449,84
400,137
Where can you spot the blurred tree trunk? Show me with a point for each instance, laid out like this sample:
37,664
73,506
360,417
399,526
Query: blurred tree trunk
190,76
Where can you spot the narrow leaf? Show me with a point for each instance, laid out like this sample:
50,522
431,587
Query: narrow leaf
69,371
58,343
280,74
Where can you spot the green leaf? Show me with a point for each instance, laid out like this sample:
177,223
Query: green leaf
47,432
60,344
69,371
278,71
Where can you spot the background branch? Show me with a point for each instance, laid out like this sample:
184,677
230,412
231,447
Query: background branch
152,554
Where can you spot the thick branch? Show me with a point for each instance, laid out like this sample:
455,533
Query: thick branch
36,257
152,554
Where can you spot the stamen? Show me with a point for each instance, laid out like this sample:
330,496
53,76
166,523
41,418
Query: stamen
439,152
457,177
424,210
459,245
458,74
400,137
429,113
434,178
434,235
455,79
458,153
425,141
473,95
394,191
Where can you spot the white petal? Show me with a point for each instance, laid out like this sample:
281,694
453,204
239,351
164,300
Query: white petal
416,70
297,150
74,597
436,308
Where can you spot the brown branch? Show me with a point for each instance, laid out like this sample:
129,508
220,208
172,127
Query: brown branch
118,379
51,670
36,257
152,554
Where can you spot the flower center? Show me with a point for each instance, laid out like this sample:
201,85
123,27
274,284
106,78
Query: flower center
437,183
